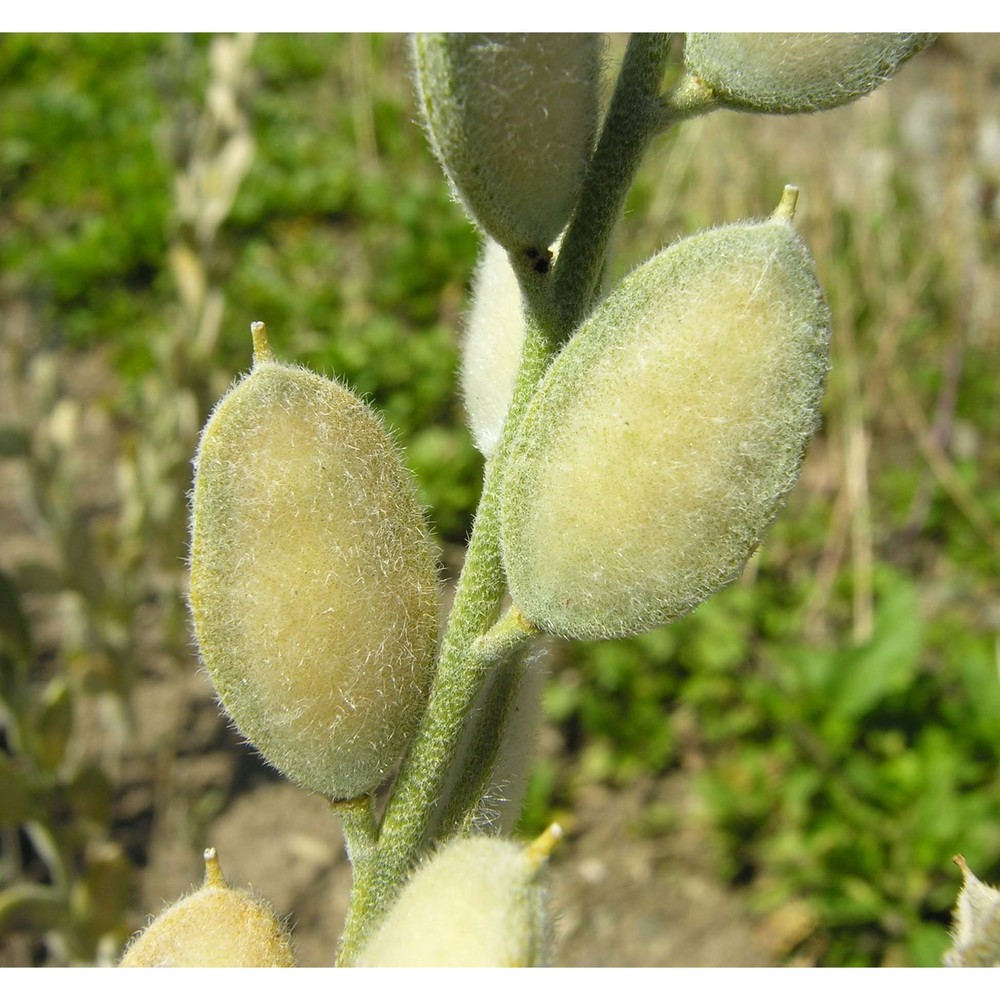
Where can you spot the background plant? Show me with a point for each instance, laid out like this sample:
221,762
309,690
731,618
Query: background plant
901,490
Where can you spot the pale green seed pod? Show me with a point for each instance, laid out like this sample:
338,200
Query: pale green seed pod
503,804
491,351
480,902
313,582
776,73
216,926
512,119
975,924
508,708
665,436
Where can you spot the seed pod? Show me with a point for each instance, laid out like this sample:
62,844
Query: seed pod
503,803
313,585
491,352
663,439
512,120
789,73
975,926
488,778
216,926
478,902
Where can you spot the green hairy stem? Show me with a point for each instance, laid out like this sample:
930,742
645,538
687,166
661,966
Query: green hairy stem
468,650
633,119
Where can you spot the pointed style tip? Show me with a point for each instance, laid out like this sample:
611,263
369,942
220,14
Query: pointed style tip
261,347
785,212
213,870
544,844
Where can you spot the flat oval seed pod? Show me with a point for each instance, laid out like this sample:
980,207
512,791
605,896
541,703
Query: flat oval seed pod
776,73
313,584
216,926
479,902
491,351
663,439
512,118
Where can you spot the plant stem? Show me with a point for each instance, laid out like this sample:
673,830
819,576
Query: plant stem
463,665
688,98
357,816
632,120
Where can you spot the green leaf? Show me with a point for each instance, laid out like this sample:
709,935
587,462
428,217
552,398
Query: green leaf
101,895
15,635
88,795
39,578
28,905
926,944
884,665
982,682
18,800
52,724
14,441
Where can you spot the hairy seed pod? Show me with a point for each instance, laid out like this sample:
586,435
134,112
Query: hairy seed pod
479,902
789,73
512,120
313,583
975,928
491,351
216,926
665,436
501,807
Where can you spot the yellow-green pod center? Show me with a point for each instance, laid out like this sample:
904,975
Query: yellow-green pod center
663,439
313,586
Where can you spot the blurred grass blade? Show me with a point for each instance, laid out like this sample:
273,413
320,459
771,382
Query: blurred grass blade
29,905
18,800
52,724
15,636
14,441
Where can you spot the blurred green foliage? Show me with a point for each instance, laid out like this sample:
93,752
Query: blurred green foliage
836,771
62,875
343,238
85,193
